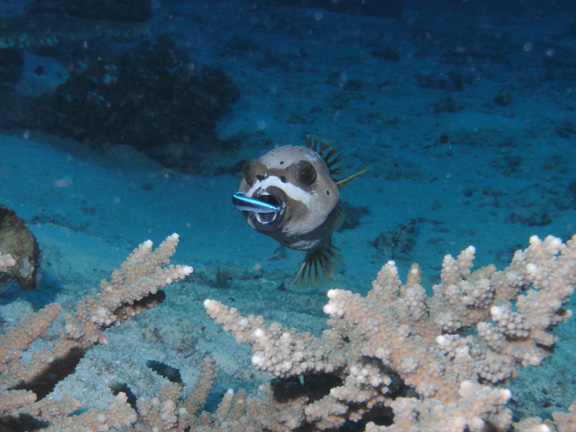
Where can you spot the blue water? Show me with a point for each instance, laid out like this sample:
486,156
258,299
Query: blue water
463,110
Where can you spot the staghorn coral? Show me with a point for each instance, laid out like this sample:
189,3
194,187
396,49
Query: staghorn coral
382,348
394,360
24,384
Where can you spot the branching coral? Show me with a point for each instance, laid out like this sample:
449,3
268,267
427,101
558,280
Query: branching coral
23,383
393,360
397,334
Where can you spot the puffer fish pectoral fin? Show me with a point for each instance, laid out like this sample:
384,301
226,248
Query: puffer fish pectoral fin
336,217
317,265
342,182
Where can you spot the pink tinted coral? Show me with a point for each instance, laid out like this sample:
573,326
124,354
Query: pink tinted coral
397,332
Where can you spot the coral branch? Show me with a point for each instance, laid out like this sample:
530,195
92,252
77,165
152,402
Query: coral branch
397,332
396,359
143,273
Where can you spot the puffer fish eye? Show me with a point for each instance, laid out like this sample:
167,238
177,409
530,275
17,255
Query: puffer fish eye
305,173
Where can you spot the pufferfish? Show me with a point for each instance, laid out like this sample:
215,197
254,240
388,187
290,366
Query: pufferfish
292,194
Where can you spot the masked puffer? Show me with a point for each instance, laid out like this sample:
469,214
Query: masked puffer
291,194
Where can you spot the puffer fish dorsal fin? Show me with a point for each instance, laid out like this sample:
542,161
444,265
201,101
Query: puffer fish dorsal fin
326,152
317,265
332,158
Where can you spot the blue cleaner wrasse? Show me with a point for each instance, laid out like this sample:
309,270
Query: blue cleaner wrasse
244,203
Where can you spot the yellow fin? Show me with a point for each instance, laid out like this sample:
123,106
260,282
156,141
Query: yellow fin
342,182
317,265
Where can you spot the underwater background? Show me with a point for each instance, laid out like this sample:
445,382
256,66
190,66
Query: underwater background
127,121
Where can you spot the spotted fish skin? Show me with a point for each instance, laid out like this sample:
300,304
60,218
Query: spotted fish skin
297,180
300,183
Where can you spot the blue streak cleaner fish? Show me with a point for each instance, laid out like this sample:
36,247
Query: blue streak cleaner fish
243,203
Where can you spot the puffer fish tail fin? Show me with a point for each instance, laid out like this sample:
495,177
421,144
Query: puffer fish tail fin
342,182
317,265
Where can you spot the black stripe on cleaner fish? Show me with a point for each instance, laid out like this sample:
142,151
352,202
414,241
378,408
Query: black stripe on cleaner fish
292,194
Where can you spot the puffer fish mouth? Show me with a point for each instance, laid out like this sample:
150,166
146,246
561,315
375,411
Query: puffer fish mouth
270,221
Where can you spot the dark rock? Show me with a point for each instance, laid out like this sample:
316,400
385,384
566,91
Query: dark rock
17,240
11,62
399,241
387,53
352,215
151,97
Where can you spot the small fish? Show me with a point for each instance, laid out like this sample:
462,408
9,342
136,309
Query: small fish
243,203
292,195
